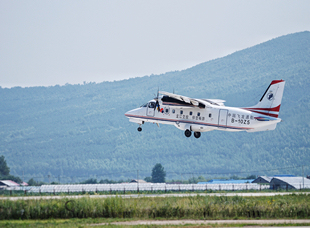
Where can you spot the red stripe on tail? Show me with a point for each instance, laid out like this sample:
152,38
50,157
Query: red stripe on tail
276,81
275,109
267,114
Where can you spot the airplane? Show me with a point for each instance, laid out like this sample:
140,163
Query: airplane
202,115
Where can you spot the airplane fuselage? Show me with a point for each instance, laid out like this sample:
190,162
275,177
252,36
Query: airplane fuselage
202,119
201,115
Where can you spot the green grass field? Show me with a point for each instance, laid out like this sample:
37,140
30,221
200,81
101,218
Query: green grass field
83,212
193,207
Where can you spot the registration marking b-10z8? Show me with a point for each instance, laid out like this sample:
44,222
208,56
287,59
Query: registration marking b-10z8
201,115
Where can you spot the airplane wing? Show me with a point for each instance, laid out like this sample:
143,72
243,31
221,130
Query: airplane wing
194,102
185,99
216,101
181,98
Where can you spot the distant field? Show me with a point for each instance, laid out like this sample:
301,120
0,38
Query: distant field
293,206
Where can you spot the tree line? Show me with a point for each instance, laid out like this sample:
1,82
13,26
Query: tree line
158,176
5,172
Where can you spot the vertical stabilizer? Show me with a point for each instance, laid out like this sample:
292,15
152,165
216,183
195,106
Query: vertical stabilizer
270,102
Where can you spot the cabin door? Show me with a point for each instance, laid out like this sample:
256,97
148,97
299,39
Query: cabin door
150,111
223,118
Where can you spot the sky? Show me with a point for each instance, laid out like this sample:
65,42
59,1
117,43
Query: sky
46,43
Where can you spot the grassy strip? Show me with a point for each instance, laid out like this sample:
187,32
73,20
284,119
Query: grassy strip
68,223
100,222
194,207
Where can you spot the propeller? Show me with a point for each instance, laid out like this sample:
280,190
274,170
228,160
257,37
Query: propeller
156,99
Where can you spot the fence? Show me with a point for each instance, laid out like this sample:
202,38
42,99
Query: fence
145,187
139,187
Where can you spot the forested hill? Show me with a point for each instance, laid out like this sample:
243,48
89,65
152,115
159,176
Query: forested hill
80,131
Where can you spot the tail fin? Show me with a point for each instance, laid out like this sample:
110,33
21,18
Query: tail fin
270,102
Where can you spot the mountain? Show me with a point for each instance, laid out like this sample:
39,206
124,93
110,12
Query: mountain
74,132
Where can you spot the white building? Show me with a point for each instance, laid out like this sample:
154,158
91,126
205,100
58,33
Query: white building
8,183
289,183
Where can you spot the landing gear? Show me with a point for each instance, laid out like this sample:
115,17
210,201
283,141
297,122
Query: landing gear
197,134
188,133
139,129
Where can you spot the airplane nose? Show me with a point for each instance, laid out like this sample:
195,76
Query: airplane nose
132,112
127,113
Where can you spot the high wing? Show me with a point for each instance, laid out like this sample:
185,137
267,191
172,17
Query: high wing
218,102
195,102
190,101
181,98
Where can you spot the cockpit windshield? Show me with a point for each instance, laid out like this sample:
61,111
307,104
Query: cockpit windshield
151,105
144,105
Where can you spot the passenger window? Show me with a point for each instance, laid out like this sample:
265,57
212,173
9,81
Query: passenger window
181,112
167,110
173,111
198,114
210,115
190,113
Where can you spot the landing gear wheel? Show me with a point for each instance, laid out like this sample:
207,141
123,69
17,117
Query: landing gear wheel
188,133
197,134
139,129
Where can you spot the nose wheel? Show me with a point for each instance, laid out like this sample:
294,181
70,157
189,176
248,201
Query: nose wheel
139,129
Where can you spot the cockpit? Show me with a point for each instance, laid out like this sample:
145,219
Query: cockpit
144,105
150,104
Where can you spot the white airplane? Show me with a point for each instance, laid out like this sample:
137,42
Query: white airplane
201,115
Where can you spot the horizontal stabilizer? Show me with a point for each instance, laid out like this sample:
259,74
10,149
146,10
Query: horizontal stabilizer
265,118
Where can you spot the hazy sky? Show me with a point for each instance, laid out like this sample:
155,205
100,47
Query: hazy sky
57,42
